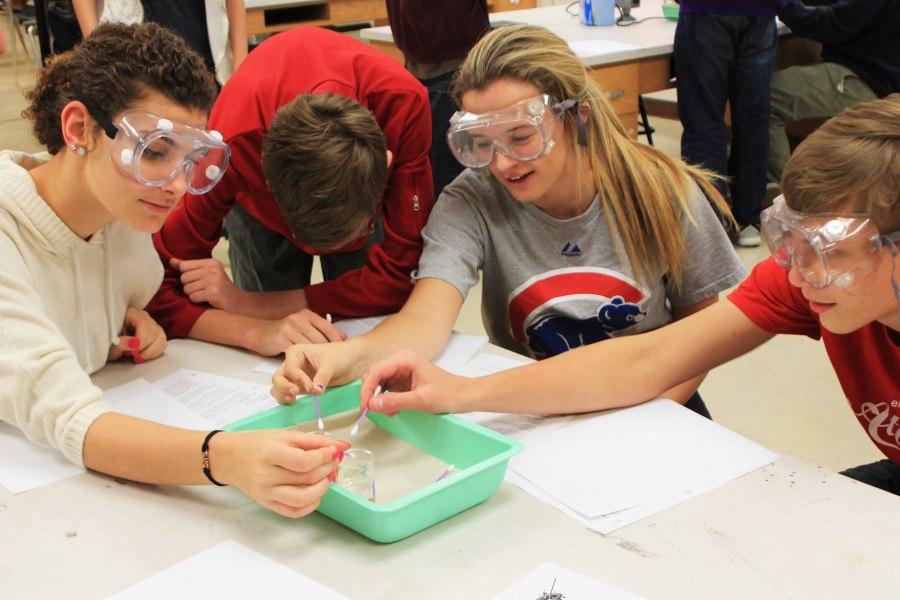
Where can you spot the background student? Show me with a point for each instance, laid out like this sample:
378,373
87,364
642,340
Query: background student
435,38
834,275
860,62
724,53
215,29
582,233
122,116
330,159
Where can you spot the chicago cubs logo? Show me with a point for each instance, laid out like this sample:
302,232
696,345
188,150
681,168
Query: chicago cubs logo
567,308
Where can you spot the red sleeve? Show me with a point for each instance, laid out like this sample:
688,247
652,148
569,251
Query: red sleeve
773,304
382,285
190,232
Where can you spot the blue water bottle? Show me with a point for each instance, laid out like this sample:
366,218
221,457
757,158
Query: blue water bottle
598,12
587,12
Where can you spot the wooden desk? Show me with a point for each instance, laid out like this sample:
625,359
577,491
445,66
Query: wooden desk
270,16
626,62
789,531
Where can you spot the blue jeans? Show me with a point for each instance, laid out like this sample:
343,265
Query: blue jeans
444,166
721,58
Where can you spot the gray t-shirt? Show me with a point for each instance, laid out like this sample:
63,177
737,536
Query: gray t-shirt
551,285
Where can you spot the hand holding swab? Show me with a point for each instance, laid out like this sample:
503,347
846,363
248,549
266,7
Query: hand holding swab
363,414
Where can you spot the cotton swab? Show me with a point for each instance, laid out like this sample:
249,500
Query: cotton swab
321,423
362,415
449,470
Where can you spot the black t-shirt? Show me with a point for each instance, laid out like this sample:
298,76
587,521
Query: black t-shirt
187,18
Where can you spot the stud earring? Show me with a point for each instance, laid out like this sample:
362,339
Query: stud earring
78,150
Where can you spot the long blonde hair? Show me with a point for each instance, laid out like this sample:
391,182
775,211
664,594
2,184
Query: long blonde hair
644,193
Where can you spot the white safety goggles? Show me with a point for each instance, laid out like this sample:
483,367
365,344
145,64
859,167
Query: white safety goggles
521,131
153,150
828,249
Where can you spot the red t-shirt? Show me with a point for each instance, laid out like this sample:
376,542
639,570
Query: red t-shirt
310,60
867,361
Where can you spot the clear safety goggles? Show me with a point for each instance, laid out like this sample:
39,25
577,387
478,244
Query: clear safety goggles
828,250
520,131
154,150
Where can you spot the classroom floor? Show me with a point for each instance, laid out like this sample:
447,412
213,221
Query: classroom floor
783,395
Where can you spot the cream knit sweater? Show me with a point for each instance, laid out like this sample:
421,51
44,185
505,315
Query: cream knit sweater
62,304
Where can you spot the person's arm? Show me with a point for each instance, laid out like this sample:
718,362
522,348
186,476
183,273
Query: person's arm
86,14
832,24
619,372
237,31
285,471
382,285
264,336
683,391
204,280
423,325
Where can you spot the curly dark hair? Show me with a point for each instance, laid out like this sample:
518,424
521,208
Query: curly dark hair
114,66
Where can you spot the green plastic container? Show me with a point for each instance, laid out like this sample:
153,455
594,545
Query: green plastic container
670,10
480,456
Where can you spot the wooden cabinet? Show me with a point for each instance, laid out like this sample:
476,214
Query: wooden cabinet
284,15
620,82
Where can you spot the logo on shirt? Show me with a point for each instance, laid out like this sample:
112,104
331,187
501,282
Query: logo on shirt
883,426
571,249
567,308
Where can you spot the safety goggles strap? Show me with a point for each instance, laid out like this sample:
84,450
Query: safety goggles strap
100,116
572,104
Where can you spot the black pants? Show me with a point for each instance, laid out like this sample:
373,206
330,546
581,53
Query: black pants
444,166
884,474
696,404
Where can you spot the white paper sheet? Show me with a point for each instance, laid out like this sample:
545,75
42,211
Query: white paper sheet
583,48
144,400
355,327
228,571
488,364
636,456
269,365
26,466
459,349
568,584
219,400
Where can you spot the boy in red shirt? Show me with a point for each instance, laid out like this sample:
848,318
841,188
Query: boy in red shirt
834,275
329,142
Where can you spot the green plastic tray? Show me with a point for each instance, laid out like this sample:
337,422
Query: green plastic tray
480,456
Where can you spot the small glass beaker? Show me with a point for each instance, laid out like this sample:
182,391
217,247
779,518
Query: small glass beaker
357,473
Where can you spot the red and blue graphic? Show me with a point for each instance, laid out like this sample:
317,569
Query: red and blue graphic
567,308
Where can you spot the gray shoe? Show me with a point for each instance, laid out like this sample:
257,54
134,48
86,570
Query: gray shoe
748,237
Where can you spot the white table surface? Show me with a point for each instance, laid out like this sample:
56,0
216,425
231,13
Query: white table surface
791,530
652,38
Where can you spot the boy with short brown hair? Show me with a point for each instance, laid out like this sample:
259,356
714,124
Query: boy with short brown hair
329,141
